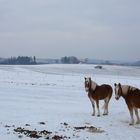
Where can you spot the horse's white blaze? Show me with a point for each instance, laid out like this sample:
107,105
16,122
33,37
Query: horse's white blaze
87,88
117,90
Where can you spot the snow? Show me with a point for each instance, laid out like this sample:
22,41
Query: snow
55,94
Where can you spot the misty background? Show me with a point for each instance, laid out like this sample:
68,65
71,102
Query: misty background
96,29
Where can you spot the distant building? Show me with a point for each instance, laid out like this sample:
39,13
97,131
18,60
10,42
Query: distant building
98,67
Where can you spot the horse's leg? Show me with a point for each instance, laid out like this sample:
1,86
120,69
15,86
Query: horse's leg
132,119
106,101
97,104
137,115
131,114
93,106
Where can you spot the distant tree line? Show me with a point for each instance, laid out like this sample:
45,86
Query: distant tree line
69,60
20,60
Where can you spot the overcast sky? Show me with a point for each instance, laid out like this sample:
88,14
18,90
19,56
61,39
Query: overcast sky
100,29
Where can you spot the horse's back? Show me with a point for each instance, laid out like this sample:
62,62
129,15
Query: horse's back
104,91
107,88
135,98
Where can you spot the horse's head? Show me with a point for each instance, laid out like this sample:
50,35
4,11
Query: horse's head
118,91
87,84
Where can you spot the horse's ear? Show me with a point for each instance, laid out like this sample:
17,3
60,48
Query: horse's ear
119,84
85,78
115,84
90,78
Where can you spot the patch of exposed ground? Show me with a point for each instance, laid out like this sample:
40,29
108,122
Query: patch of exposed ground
46,134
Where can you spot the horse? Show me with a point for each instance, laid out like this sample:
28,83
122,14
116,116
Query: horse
131,96
98,92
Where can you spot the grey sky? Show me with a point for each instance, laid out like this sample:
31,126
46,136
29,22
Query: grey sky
101,29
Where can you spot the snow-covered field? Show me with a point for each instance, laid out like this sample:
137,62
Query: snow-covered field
55,95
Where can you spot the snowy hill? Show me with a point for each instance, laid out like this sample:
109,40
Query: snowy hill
53,98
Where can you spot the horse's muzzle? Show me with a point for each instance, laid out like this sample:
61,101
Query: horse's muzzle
86,89
117,98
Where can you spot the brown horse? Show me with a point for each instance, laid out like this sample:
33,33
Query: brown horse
96,93
132,99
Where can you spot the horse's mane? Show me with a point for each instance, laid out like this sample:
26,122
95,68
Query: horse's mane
133,88
93,85
127,88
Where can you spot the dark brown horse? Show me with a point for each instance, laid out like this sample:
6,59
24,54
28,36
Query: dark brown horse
96,93
132,99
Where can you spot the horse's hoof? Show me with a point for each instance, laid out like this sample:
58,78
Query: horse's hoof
93,115
105,114
98,115
137,122
131,123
